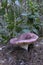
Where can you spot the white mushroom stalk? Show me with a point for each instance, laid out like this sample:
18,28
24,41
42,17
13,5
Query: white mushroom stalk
25,46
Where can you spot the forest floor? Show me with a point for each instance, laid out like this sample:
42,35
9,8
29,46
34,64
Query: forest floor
10,55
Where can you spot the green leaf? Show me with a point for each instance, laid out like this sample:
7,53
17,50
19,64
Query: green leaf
35,31
4,37
4,3
10,26
18,29
2,11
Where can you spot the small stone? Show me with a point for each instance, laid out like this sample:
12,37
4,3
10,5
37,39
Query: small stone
0,49
2,61
37,45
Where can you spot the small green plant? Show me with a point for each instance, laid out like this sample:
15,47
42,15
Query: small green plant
33,20
17,19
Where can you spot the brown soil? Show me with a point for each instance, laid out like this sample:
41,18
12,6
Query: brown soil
18,56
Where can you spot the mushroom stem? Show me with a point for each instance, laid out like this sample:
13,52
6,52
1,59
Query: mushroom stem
25,47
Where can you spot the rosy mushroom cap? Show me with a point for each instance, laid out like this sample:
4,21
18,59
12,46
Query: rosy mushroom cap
25,38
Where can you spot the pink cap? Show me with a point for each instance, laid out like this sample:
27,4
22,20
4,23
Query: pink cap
25,38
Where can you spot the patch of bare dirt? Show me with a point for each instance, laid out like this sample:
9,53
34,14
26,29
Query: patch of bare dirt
10,55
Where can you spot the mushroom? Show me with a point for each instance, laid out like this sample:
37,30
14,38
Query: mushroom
24,40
